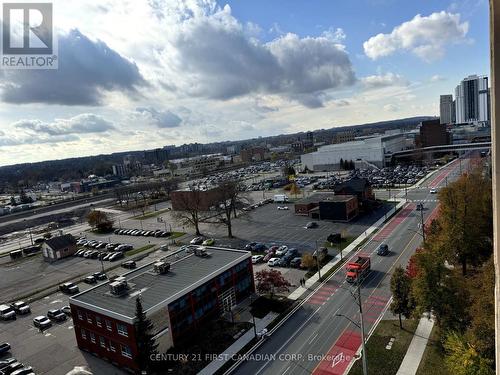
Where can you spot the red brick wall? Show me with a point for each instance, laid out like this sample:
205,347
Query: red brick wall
110,336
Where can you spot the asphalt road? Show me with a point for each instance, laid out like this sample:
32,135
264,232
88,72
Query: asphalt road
314,339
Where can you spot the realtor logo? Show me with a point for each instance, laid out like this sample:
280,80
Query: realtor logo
28,38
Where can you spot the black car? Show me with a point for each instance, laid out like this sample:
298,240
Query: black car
383,249
12,367
311,224
100,276
129,264
90,280
56,315
6,362
4,348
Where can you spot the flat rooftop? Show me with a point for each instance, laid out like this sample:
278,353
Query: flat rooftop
325,197
187,272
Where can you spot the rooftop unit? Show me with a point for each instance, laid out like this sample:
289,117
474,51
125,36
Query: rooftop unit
119,286
161,267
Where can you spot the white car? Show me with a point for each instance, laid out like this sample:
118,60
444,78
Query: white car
283,208
281,251
273,262
42,322
257,259
433,191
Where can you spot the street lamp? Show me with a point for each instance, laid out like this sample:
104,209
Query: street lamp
29,230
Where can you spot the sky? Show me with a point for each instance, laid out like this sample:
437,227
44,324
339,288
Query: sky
141,74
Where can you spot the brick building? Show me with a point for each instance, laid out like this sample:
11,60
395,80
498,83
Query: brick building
433,133
328,206
178,295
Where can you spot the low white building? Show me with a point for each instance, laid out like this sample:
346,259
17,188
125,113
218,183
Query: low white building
370,150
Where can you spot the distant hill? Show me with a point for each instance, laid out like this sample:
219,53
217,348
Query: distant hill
29,174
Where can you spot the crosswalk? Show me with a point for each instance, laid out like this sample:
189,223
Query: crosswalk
423,200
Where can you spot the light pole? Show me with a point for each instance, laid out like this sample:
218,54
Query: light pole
422,223
362,327
315,256
29,230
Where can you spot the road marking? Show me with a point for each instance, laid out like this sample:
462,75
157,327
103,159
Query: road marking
288,368
316,335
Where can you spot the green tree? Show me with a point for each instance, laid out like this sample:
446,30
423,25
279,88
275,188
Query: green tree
464,359
146,345
401,294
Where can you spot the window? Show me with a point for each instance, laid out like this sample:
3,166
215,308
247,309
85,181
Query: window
79,313
84,334
122,329
92,337
102,341
89,318
108,325
98,321
126,352
112,346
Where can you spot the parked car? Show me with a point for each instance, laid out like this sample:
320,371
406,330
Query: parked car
107,256
196,241
4,348
292,253
66,309
281,251
100,276
273,262
7,312
257,258
69,288
250,246
311,224
24,371
56,315
130,264
269,255
260,247
322,251
284,262
42,322
295,262
21,307
6,362
116,256
11,368
383,249
283,208
90,280
208,242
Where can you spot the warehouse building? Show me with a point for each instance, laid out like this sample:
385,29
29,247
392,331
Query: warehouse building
372,150
178,295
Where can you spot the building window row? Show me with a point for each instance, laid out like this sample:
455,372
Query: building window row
98,320
126,351
122,329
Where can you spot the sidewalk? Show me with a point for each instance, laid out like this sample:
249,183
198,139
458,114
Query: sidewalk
417,347
239,344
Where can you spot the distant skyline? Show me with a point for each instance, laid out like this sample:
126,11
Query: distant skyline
143,74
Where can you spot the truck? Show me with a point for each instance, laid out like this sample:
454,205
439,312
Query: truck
357,269
280,198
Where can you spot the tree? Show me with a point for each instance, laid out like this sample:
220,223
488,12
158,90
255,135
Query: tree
308,261
464,359
272,282
99,220
190,209
341,162
294,189
13,201
466,220
228,198
23,197
401,298
146,345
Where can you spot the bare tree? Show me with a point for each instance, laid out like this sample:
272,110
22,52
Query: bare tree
229,199
191,208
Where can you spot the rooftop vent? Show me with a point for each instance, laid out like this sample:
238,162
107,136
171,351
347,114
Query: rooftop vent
200,252
161,267
119,286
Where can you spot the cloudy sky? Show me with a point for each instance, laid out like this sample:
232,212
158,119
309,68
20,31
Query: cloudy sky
139,74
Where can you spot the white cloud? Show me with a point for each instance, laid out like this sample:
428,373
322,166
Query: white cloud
160,119
391,108
81,124
383,80
426,37
437,78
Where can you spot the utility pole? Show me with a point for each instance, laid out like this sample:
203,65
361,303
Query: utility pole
317,260
422,224
362,326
